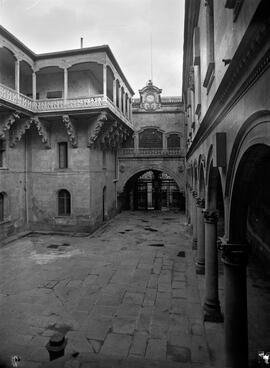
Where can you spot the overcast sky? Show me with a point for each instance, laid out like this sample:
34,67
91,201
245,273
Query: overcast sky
125,25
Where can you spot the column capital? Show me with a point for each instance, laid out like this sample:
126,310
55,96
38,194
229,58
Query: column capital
194,193
233,254
210,217
200,202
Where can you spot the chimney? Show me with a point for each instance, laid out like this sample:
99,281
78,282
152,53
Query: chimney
81,42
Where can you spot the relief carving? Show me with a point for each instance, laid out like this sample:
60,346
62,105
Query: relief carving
72,136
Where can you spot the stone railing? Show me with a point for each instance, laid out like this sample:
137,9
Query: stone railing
59,104
150,152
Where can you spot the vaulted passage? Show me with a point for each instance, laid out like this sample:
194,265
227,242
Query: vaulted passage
152,190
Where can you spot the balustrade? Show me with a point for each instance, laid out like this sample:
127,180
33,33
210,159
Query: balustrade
58,104
131,152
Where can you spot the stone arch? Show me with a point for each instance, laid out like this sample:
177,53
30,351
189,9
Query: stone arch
258,118
124,179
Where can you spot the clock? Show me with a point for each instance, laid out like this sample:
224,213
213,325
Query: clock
150,98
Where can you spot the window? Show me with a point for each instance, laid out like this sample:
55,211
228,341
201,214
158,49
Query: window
54,94
150,138
63,155
2,207
2,151
63,203
173,141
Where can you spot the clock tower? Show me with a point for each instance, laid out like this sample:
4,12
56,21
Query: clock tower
150,99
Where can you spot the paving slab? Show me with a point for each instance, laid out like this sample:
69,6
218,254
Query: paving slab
115,297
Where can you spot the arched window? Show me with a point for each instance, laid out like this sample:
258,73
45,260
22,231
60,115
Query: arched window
2,204
63,203
173,141
150,138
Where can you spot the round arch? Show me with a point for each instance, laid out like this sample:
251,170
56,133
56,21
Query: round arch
144,168
253,147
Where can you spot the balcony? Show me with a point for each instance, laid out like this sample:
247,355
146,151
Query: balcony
150,152
12,97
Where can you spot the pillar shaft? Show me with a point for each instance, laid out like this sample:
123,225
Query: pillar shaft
65,84
34,86
17,76
212,312
200,264
104,80
194,220
235,306
120,97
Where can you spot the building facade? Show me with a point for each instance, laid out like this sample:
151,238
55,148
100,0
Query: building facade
151,162
226,78
63,116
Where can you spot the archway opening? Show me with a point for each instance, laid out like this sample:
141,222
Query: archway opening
249,225
152,190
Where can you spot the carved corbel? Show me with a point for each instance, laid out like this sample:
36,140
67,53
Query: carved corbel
42,131
17,133
7,123
98,129
72,135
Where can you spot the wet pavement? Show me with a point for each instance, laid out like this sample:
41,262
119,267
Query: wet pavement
128,291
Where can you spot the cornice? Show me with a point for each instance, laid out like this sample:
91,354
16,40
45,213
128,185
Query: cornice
255,42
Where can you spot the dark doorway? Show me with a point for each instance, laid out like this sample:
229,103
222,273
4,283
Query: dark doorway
153,190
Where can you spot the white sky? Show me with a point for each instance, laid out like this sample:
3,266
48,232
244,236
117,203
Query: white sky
125,25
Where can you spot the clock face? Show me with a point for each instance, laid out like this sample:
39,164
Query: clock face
150,98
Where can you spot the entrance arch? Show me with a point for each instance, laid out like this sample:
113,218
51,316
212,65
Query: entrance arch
151,189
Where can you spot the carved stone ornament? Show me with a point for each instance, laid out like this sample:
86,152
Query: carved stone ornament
210,217
99,126
122,168
23,125
7,123
72,136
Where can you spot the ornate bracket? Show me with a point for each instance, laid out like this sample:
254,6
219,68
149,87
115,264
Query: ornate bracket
99,126
194,193
23,125
200,202
8,121
72,136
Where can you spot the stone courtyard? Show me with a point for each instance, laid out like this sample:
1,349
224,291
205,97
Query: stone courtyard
127,291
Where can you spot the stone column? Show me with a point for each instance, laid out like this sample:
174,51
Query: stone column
17,76
120,98
200,263
124,103
212,312
34,86
104,80
194,223
65,84
114,91
136,140
235,305
130,109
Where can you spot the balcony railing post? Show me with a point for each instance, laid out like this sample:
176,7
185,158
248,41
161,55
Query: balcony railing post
114,92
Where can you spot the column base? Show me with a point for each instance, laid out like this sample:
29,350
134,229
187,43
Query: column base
212,313
194,244
200,268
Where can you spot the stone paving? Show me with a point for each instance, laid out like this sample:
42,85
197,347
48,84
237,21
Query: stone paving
128,291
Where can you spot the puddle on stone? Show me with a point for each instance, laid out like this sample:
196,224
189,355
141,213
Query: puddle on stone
181,254
60,328
150,229
156,245
56,246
